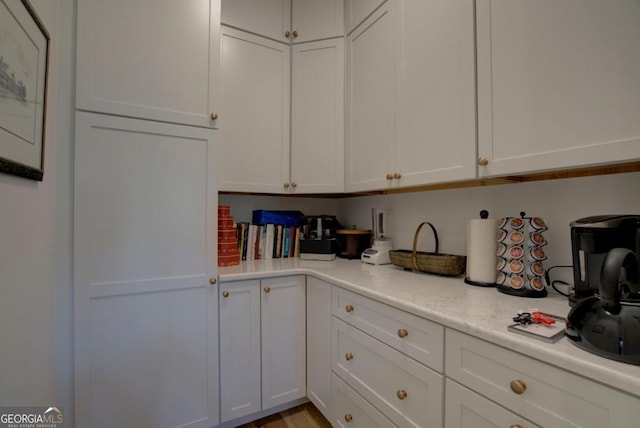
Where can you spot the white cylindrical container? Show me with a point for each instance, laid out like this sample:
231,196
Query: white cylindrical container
481,250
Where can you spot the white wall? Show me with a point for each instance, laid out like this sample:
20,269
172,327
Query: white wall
558,202
242,206
36,252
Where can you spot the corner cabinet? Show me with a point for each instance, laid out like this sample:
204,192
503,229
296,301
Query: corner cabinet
557,84
254,119
145,274
411,116
262,342
150,59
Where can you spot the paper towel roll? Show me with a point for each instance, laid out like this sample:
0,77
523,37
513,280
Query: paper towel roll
481,250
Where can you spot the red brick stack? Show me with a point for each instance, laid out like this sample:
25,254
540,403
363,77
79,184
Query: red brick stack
228,254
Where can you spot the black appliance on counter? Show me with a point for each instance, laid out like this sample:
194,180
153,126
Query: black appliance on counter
318,240
605,318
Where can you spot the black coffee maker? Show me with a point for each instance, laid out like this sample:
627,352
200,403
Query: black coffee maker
605,318
591,240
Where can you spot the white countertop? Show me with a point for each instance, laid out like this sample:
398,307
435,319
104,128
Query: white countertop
481,312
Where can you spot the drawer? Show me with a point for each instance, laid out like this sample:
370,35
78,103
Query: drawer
466,409
408,333
407,392
546,395
353,411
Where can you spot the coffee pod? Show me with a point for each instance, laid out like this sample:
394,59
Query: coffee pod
502,278
501,265
516,223
536,254
501,249
516,281
502,223
515,252
538,224
536,238
502,236
535,283
535,269
515,266
516,237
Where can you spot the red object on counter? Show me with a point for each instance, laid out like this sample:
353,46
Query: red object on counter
540,318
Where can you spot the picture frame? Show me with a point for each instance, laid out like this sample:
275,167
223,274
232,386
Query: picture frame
24,68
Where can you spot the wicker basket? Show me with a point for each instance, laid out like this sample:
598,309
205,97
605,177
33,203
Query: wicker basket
440,264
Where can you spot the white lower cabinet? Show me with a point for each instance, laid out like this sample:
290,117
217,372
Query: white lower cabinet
385,356
351,410
319,345
262,342
466,409
546,395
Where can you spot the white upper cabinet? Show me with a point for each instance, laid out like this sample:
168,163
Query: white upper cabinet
356,11
317,19
435,92
150,59
317,117
411,96
254,121
268,18
370,118
557,84
286,21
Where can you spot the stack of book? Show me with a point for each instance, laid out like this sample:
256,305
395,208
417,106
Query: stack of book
228,254
267,241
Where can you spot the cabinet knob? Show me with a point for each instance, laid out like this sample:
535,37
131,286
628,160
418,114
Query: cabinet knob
348,356
267,289
225,294
214,115
402,394
397,175
482,161
294,184
389,176
212,281
348,417
287,34
518,386
286,185
349,308
402,333
295,34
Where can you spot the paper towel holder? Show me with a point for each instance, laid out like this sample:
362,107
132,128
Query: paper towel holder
484,214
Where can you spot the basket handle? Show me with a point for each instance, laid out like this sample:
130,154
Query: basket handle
414,255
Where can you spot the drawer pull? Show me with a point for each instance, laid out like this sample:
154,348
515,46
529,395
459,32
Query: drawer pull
402,333
402,394
516,426
348,356
225,293
267,289
348,417
349,308
518,386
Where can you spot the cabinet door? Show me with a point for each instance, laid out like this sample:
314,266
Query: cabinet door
356,11
435,104
557,83
151,59
370,114
268,18
319,345
317,19
351,410
283,340
466,409
239,349
145,312
254,118
317,117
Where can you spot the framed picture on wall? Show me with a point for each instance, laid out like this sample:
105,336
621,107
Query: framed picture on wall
24,61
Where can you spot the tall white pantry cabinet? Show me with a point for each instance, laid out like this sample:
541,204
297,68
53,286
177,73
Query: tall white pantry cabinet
145,214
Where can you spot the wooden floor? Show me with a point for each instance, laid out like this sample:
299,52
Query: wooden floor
304,416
